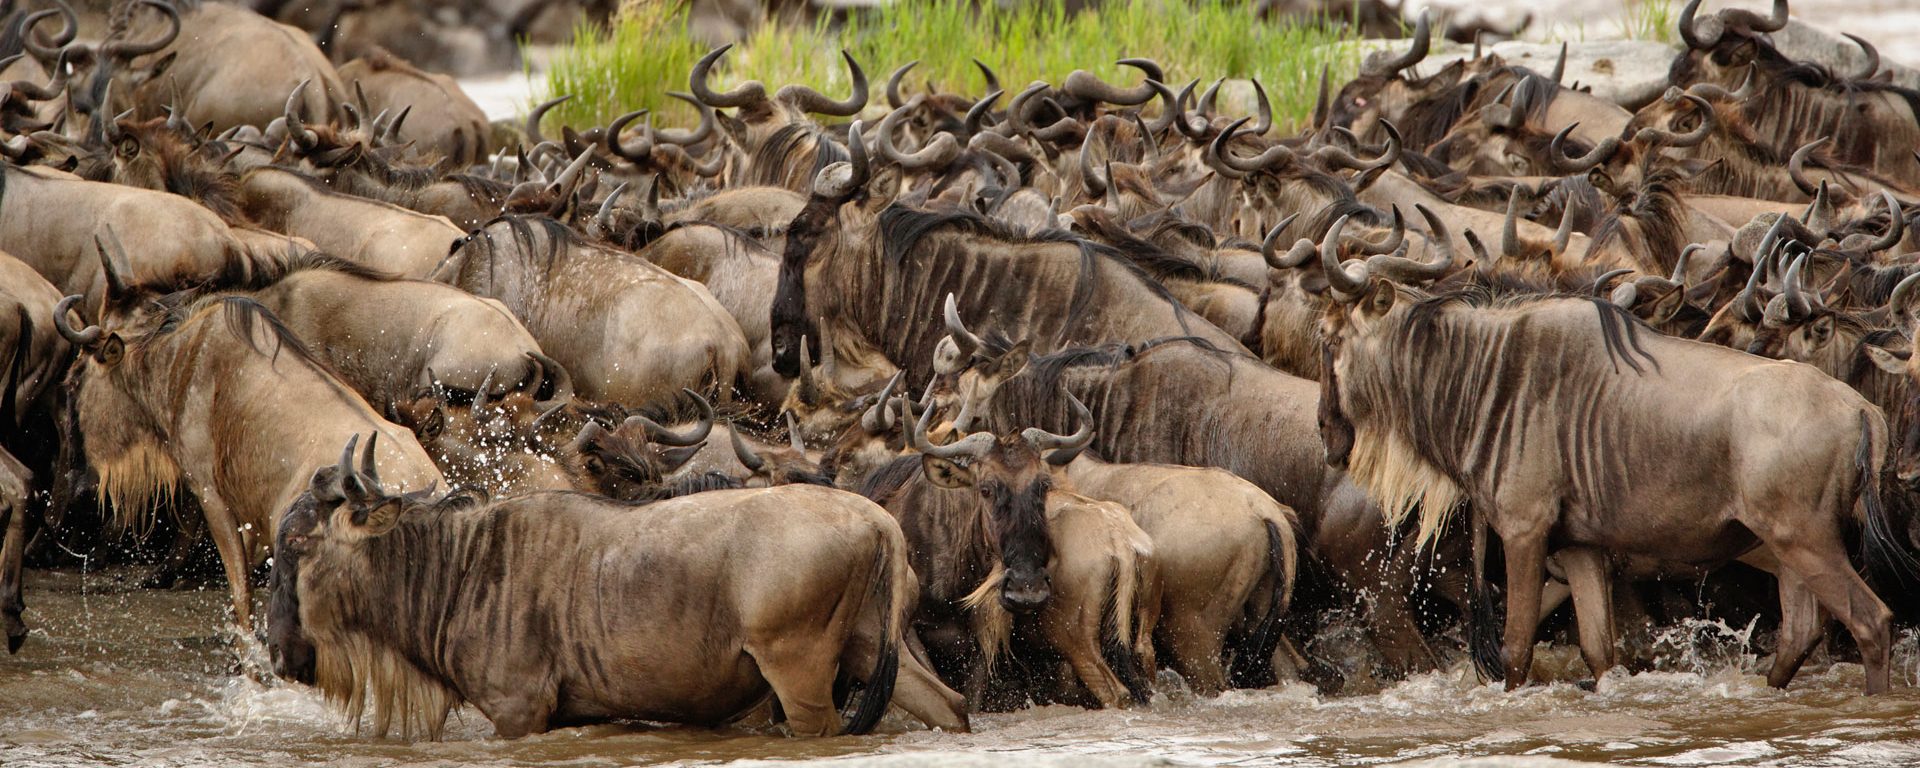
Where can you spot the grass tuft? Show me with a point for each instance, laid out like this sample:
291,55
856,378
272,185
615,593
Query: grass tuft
648,52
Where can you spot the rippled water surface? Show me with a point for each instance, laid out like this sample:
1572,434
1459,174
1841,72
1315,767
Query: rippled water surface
117,676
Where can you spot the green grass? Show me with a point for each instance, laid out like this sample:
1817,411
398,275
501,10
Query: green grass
648,52
1652,20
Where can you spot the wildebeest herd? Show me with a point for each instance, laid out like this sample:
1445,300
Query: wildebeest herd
988,401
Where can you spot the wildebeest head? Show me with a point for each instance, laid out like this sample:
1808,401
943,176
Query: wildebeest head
842,212
113,58
287,641
1011,473
778,464
632,460
491,437
1379,91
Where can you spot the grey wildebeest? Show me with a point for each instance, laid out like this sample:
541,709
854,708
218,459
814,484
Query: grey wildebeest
1438,400
559,608
1010,563
217,394
857,263
629,331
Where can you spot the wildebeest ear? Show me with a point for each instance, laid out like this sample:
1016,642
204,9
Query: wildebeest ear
434,424
675,458
325,485
735,128
1669,305
159,68
1015,360
945,474
111,350
381,518
1892,361
883,188
1380,299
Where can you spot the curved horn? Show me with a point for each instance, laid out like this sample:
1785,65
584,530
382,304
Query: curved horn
993,80
750,92
747,457
1190,127
1087,87
937,154
481,395
1422,38
808,386
605,216
893,84
1394,238
126,50
1896,225
570,177
1714,91
1796,165
968,342
1896,302
1061,449
538,113
1302,250
1399,268
114,263
70,26
1695,35
664,436
977,114
700,132
297,130
1335,157
827,185
1510,228
1017,109
809,100
1873,57
369,471
1560,65
1601,153
1680,264
85,337
1563,234
971,445
877,418
1599,287
638,153
1691,138
552,369
794,440
1797,302
1237,168
1346,285
1774,22
1096,185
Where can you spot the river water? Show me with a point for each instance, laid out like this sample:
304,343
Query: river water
114,675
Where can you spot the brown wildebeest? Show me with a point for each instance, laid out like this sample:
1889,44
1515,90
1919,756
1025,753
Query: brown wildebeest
1004,556
1436,400
223,64
218,394
381,236
32,354
442,122
560,608
629,332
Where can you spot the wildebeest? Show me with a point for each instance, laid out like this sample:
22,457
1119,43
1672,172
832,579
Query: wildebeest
560,608
440,120
1008,562
34,355
381,236
1664,448
629,331
215,394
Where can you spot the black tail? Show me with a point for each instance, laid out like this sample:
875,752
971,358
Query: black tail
877,694
1253,662
1880,547
1485,619
1119,655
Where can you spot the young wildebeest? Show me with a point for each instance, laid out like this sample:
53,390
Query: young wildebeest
1561,418
559,608
217,393
1009,562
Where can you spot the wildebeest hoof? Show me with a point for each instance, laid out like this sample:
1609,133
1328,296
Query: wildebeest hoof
16,636
1587,685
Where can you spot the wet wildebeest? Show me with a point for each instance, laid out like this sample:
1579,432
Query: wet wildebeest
1667,449
560,608
32,355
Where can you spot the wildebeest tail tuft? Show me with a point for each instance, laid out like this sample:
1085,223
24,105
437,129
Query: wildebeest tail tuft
1880,547
877,694
1253,664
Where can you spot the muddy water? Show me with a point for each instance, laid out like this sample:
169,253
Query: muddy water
119,676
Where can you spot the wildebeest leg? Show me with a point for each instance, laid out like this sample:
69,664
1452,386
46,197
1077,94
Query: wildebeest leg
14,481
1078,639
1801,622
1526,567
1553,594
1195,640
1817,557
801,668
922,695
1592,585
233,556
179,555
